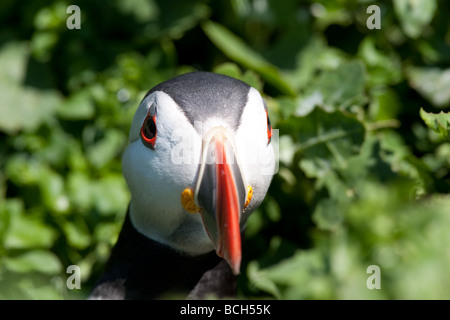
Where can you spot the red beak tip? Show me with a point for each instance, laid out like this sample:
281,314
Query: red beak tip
235,266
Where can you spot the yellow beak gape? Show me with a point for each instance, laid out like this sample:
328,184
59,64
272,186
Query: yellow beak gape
188,202
249,196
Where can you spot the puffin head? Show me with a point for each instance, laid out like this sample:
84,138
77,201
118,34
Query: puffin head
198,163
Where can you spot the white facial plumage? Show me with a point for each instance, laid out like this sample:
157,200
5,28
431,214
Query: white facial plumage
156,178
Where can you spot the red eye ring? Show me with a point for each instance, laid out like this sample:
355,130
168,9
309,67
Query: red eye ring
269,128
149,131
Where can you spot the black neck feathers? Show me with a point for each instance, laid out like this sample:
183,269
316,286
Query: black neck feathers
141,268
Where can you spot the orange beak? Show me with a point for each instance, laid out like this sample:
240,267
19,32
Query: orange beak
221,193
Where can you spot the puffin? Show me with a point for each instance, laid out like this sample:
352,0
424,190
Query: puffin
199,161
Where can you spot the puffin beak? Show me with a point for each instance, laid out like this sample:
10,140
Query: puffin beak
221,193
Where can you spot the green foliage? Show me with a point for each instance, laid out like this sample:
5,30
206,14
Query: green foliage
362,115
438,122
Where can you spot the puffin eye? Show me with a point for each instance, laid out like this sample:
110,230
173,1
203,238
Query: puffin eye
148,131
269,126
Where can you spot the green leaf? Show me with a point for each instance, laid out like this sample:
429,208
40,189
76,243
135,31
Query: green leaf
367,165
385,104
313,56
36,260
13,58
51,185
105,150
28,231
415,15
440,122
291,278
40,291
337,89
328,214
142,10
7,206
31,172
383,66
432,83
236,49
79,190
38,106
111,195
325,140
42,44
51,17
21,108
407,240
176,22
24,171
77,234
403,162
78,106
259,280
232,70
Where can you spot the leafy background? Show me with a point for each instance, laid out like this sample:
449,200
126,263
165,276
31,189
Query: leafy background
362,115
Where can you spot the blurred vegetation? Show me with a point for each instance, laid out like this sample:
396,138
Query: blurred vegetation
362,114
